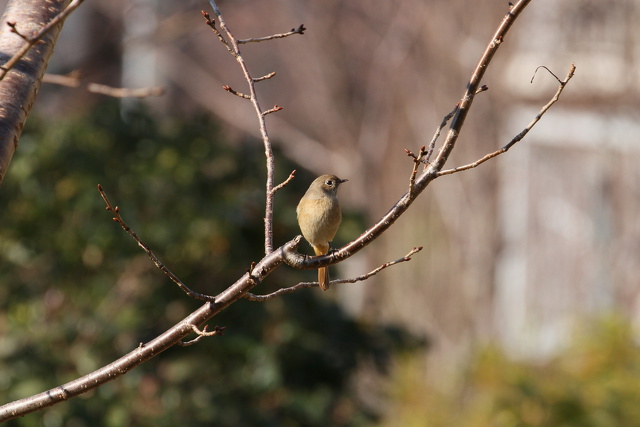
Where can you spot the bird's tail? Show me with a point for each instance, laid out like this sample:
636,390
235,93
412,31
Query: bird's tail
323,272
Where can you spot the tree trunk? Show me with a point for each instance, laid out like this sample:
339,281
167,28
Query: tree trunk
19,86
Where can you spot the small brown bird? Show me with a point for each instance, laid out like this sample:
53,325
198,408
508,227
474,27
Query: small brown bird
319,217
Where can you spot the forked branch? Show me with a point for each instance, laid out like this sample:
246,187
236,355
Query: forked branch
291,289
274,258
518,137
232,43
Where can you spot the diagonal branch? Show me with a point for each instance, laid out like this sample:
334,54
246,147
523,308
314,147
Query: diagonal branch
431,172
273,259
518,137
151,349
473,86
156,261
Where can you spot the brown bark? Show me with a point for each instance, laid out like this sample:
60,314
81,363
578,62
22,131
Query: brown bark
20,84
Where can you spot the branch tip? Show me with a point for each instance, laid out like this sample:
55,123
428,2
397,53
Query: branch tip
300,30
549,71
285,182
272,110
210,22
238,94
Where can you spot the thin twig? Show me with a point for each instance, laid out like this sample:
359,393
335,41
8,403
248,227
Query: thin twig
234,92
272,110
265,77
73,80
436,135
212,24
117,218
518,137
217,330
282,291
31,41
285,182
300,30
14,30
445,119
417,159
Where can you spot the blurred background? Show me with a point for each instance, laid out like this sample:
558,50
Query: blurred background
523,308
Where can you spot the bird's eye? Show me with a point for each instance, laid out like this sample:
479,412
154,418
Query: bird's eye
329,182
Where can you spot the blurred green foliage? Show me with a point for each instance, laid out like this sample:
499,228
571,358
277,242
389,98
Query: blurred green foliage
78,293
592,383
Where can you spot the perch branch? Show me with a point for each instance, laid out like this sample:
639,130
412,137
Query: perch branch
273,259
288,290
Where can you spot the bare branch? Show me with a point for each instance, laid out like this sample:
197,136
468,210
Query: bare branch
300,30
474,83
436,135
272,110
285,182
217,330
212,24
518,137
432,169
154,347
232,47
73,80
12,25
123,92
417,159
291,289
156,261
274,258
265,77
239,94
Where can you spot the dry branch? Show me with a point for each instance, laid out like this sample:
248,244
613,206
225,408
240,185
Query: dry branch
518,137
156,261
291,289
274,258
73,80
232,46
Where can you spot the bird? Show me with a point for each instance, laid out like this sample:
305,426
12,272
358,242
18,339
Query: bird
319,217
